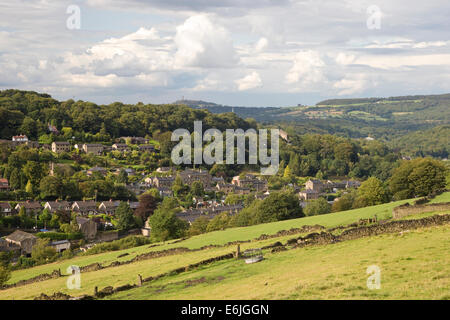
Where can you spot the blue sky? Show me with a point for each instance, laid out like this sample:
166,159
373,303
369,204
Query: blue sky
248,53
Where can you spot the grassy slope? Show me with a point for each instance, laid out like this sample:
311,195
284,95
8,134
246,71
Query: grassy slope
127,274
414,265
218,237
445,197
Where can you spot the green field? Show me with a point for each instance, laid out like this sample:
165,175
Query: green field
383,211
127,274
337,271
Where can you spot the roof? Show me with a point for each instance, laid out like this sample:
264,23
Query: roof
30,205
93,145
85,204
97,169
309,191
61,142
55,243
5,205
58,204
81,220
110,204
18,236
133,204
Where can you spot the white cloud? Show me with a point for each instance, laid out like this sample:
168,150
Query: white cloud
201,43
345,59
352,84
391,62
307,68
251,81
262,44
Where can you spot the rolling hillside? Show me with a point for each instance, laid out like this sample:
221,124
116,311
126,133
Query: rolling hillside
120,268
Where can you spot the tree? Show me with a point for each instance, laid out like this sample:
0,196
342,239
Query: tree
5,275
316,207
166,225
147,205
371,192
51,187
287,173
45,217
234,198
416,178
29,187
14,179
122,177
125,217
178,187
199,226
343,203
42,252
219,222
278,206
197,189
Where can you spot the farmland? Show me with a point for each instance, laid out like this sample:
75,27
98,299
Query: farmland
330,273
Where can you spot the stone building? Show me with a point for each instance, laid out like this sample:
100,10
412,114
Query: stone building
87,227
95,148
24,240
60,146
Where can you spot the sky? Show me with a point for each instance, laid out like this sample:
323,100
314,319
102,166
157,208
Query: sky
231,52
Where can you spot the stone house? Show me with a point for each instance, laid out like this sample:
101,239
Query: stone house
242,190
165,192
308,194
100,170
225,187
87,227
135,140
188,176
165,170
60,146
108,207
31,207
95,148
20,138
163,182
60,246
85,207
4,184
53,206
147,148
24,240
120,147
5,209
315,185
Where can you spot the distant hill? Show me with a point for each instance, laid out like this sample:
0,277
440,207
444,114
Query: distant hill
393,119
243,112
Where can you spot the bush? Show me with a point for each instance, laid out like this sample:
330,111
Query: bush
5,275
57,236
316,207
125,243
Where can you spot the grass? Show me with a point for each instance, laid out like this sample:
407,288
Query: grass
383,211
127,274
338,271
444,197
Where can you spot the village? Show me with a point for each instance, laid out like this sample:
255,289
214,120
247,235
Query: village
93,217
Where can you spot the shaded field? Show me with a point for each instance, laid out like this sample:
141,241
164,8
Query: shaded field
414,265
383,211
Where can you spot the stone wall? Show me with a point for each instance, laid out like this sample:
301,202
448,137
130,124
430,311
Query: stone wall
407,209
106,236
